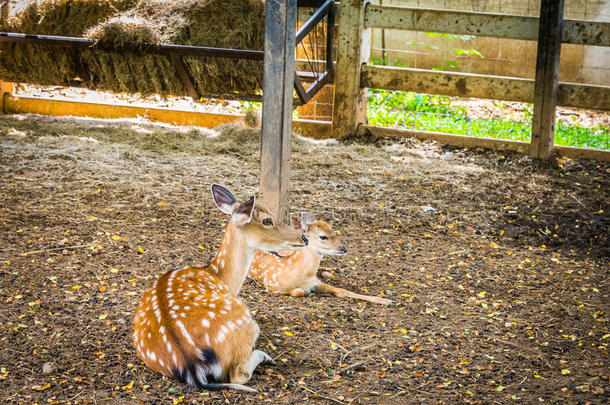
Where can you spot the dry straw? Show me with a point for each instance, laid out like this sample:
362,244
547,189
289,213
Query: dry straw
218,23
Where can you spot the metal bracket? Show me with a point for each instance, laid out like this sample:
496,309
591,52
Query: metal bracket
326,9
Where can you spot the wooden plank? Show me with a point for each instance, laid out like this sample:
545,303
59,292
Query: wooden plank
278,82
586,32
584,96
481,24
353,50
448,83
547,78
452,22
464,141
6,90
480,86
313,129
57,107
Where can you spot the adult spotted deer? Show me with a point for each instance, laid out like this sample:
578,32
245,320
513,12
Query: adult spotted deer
294,273
190,323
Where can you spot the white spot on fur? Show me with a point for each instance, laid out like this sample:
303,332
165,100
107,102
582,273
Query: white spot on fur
187,336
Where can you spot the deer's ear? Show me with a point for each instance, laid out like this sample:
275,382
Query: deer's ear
306,220
223,199
243,213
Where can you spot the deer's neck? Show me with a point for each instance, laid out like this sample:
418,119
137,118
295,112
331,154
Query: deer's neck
308,260
233,259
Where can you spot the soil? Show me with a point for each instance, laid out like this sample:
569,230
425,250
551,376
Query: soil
498,264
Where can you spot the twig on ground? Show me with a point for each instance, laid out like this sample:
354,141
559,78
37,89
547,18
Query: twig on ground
351,366
322,396
53,249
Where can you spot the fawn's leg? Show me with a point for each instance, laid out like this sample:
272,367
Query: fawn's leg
340,292
297,292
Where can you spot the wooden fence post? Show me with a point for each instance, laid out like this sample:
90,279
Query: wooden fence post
278,84
5,88
546,87
353,49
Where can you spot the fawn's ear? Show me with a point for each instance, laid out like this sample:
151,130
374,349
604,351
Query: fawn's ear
296,223
223,199
243,213
306,220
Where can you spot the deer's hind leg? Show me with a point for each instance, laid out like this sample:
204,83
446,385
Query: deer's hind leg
247,361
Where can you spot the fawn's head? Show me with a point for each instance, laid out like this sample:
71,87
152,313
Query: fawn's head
261,229
322,237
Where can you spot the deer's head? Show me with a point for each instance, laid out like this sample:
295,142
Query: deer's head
322,237
259,227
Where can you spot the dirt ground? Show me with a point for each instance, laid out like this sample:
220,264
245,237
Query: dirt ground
498,264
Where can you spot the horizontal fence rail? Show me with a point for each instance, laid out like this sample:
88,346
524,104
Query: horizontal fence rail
481,24
479,86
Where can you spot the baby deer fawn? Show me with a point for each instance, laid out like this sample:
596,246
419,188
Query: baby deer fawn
294,273
190,323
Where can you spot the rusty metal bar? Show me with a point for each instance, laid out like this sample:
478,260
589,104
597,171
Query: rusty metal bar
481,24
480,86
82,72
313,20
187,50
184,76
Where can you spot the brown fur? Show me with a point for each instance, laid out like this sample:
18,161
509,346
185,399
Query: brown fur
295,273
190,322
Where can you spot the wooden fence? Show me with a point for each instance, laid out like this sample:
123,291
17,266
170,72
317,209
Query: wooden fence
355,74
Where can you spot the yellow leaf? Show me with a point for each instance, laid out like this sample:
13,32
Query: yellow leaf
288,333
201,247
129,386
103,316
41,387
113,270
500,388
140,250
116,237
565,371
76,287
161,203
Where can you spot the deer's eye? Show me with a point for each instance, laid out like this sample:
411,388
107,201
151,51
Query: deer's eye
323,237
267,222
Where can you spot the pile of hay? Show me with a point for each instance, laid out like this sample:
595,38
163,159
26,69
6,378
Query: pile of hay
217,23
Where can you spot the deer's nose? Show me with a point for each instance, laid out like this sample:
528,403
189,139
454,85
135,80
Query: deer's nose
343,249
305,240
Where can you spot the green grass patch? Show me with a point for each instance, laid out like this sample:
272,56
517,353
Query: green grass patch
435,113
